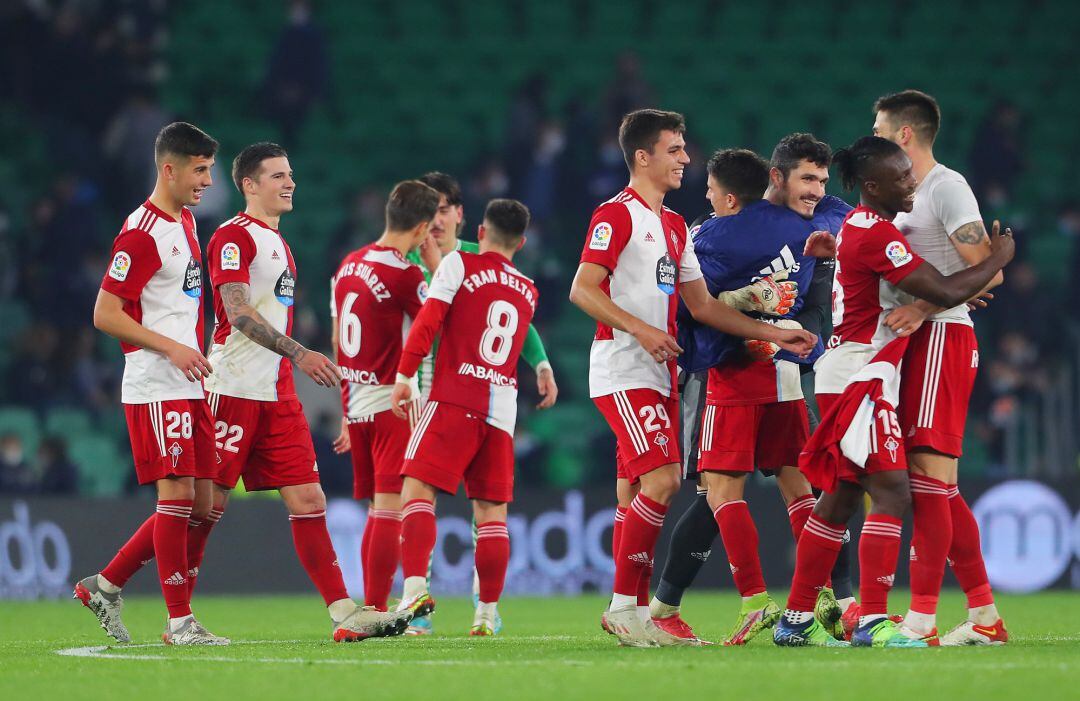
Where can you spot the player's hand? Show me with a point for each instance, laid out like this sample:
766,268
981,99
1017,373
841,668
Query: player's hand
658,344
342,444
905,320
545,385
319,368
794,340
820,244
980,301
189,361
1002,244
430,254
401,396
773,295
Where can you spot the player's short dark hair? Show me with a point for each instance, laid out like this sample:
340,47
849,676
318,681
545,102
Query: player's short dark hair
741,172
915,109
410,203
506,220
183,139
445,185
798,147
855,163
248,161
641,129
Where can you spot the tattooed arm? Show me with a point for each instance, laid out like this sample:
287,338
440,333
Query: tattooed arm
236,298
973,245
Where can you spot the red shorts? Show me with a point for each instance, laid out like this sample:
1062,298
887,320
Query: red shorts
646,434
378,451
267,443
172,438
765,436
886,448
451,444
937,377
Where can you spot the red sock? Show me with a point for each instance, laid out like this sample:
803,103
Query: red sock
879,547
170,550
417,537
815,556
965,553
365,551
135,553
616,531
198,532
930,541
492,558
383,555
740,537
644,582
644,519
317,555
798,511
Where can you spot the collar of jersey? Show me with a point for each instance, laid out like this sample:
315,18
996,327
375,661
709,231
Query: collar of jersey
156,210
260,222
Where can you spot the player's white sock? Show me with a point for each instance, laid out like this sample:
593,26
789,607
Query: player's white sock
175,624
413,587
643,613
475,582
486,610
658,609
867,620
621,601
845,603
341,609
108,587
984,615
920,622
797,617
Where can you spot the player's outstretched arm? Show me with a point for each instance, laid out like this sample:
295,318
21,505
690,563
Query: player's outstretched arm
712,312
926,283
773,295
110,318
236,298
536,356
585,292
422,333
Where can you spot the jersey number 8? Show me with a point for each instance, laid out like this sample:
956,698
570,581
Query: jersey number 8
498,338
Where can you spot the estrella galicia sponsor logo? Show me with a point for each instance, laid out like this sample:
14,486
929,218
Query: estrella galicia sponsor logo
285,288
666,274
193,279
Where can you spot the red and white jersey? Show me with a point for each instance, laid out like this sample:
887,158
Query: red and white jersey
648,256
746,382
373,297
871,257
156,269
483,306
943,203
246,250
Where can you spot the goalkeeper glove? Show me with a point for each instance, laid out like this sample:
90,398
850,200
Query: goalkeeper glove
773,295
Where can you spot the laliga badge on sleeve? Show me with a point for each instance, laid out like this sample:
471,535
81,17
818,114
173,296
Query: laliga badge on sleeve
897,253
601,237
121,264
230,257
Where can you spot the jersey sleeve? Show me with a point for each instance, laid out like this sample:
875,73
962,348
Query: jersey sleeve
533,350
448,278
609,232
135,259
689,267
412,290
333,302
422,335
955,205
886,252
230,253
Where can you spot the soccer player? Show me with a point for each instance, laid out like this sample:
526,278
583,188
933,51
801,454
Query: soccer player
946,229
151,300
374,295
636,263
482,306
445,230
871,252
261,431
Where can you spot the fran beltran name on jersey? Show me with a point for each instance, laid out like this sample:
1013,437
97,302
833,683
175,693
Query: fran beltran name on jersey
487,277
487,374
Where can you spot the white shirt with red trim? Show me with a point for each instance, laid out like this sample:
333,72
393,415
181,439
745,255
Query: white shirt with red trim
648,257
374,296
943,203
872,256
247,250
156,269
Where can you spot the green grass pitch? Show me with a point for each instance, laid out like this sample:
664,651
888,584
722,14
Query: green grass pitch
552,649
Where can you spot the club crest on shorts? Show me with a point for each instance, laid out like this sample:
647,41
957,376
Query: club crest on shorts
892,446
661,440
175,451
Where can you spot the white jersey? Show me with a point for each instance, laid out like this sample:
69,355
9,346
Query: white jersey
943,203
156,269
648,256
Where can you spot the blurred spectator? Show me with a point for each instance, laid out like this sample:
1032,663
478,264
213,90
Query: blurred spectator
58,474
298,72
997,151
16,475
528,111
129,146
539,189
628,91
363,223
335,471
94,379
